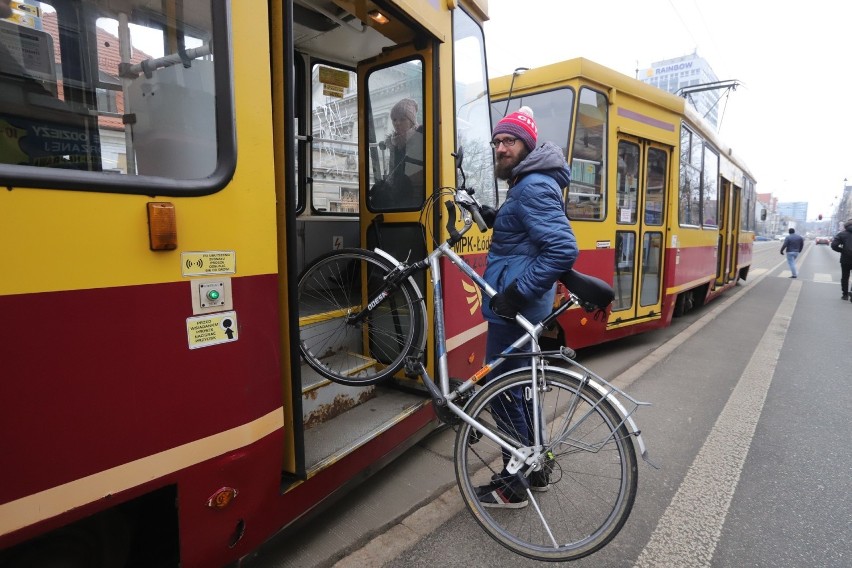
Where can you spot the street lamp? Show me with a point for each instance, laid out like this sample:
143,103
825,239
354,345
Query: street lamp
515,73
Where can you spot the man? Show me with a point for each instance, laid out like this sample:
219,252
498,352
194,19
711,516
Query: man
842,243
532,245
794,244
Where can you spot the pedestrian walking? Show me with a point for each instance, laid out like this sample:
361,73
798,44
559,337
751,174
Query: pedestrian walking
842,243
793,244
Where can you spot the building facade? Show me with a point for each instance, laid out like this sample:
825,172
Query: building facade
672,75
794,211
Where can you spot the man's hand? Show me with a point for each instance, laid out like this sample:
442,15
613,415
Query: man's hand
488,215
508,303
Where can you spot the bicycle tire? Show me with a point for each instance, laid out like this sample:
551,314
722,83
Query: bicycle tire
349,352
592,470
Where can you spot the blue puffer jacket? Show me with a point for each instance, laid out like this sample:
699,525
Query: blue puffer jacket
533,242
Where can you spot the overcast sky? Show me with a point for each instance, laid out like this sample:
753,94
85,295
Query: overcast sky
791,117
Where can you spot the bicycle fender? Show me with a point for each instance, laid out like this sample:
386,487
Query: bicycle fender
609,396
424,315
390,258
628,419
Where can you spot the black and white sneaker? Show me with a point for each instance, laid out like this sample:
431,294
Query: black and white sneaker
500,497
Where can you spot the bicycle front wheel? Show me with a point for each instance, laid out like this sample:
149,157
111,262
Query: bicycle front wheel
583,492
354,327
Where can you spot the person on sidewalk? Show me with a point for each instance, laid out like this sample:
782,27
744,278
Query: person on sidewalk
532,246
842,243
794,244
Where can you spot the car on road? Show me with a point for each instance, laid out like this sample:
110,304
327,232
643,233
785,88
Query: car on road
822,241
761,238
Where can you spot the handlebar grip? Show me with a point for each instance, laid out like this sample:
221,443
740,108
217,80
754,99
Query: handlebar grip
451,221
477,216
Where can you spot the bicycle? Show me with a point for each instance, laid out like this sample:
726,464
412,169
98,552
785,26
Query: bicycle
363,319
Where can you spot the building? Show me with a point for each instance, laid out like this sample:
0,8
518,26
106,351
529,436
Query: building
672,75
794,211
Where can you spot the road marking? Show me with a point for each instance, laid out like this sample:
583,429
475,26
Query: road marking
823,277
689,530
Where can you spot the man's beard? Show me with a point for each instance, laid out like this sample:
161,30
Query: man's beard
504,170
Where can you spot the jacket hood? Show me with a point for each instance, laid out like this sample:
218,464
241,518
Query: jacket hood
546,159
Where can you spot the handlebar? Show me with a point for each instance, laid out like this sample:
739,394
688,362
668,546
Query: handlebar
464,198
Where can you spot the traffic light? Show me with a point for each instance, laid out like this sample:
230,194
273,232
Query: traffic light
819,217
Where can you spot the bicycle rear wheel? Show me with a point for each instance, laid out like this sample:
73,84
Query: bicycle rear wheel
337,337
583,493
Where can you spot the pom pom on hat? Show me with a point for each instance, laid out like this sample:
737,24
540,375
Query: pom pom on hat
406,108
521,125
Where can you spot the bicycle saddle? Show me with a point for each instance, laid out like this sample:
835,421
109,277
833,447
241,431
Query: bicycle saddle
594,293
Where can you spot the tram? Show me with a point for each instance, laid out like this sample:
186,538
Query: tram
168,167
662,209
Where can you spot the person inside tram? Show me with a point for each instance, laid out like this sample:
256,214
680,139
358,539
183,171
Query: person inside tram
405,179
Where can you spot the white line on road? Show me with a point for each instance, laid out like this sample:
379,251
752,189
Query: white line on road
688,532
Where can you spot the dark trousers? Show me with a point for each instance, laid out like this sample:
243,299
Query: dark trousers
512,411
844,276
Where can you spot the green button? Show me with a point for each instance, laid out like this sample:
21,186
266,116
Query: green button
212,294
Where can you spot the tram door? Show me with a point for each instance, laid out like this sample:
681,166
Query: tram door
729,215
641,183
398,150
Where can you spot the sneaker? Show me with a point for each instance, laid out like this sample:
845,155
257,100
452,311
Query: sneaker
501,497
540,480
845,296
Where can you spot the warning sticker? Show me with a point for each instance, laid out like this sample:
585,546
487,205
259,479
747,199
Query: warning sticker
208,262
204,331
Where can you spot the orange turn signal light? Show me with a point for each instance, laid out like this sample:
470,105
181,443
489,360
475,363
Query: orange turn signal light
162,226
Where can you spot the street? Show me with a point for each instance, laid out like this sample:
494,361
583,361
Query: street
749,402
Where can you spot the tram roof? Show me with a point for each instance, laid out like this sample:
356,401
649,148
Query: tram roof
554,74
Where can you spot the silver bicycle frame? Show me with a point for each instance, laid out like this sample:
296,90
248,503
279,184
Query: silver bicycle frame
523,455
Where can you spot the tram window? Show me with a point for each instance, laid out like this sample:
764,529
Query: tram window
690,178
710,187
473,123
656,190
553,112
625,257
396,158
148,107
626,183
587,195
334,146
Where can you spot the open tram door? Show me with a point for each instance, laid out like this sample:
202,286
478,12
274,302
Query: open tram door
398,165
349,72
642,180
729,214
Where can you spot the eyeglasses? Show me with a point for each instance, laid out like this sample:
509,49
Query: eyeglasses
507,142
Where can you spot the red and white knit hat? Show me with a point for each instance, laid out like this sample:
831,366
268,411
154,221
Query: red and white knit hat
521,125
